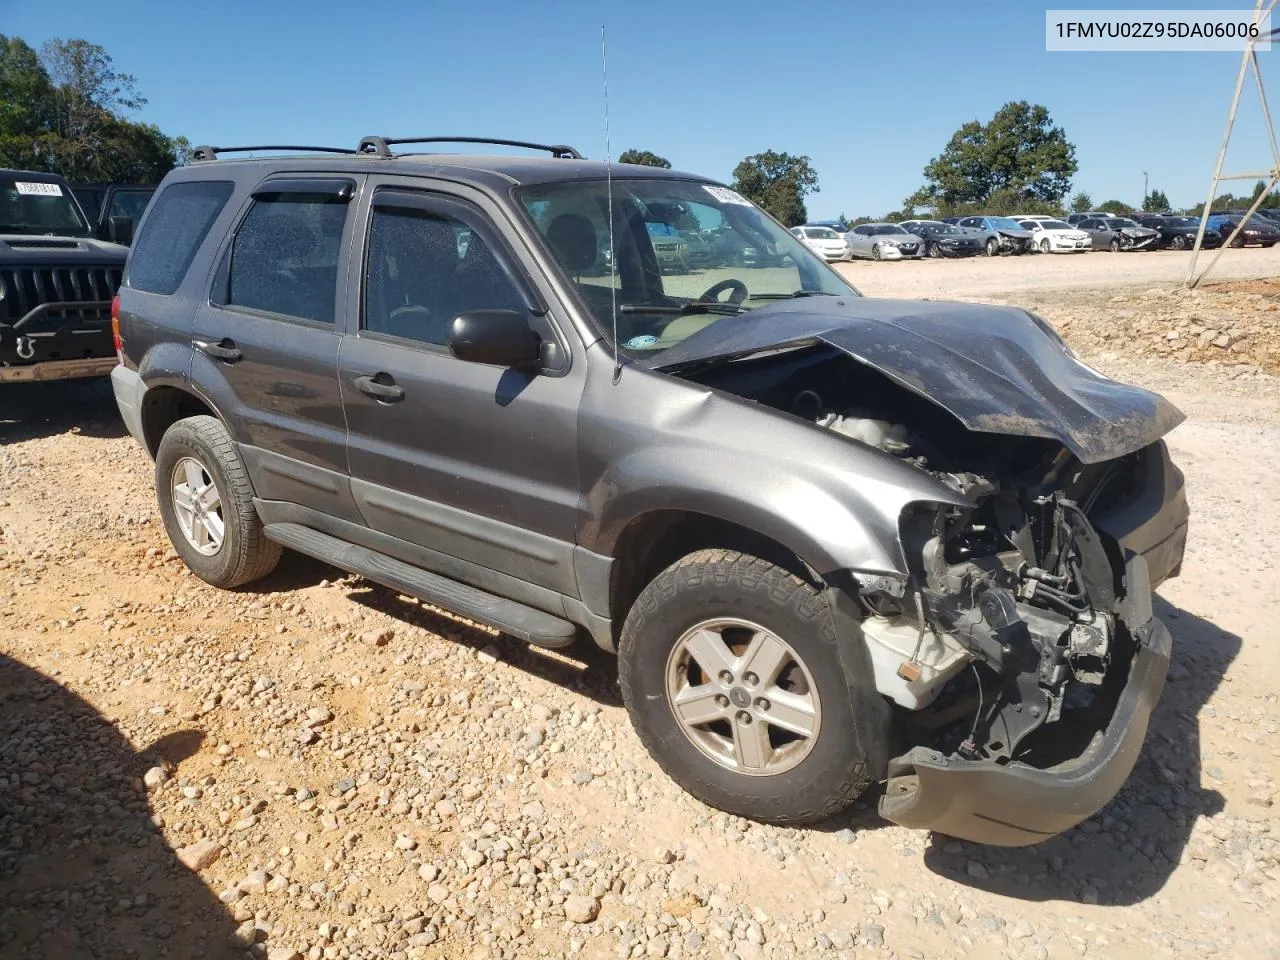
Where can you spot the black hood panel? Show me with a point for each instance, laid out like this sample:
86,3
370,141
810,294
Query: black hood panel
993,368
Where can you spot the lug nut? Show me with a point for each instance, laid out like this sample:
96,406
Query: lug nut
744,717
722,700
763,704
726,676
751,679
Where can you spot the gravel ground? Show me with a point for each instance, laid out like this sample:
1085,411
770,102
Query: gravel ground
317,767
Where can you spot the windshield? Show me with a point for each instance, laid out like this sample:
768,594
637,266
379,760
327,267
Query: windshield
1006,223
1181,222
821,233
663,295
887,230
1115,223
39,207
1054,225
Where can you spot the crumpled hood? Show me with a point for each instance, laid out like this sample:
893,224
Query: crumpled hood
995,369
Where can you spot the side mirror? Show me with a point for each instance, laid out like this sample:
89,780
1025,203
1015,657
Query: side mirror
120,230
499,337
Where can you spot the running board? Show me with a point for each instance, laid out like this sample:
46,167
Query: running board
525,623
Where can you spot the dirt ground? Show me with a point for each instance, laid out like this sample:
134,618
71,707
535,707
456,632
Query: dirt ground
317,767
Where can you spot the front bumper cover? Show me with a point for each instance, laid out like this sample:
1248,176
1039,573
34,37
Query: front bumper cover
1017,805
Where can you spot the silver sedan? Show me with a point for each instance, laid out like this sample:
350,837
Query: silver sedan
883,241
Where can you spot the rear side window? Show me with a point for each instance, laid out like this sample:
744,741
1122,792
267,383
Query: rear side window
173,232
284,258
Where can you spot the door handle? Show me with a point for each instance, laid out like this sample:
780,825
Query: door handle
225,349
380,386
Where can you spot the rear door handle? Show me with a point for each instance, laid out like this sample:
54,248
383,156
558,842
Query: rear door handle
224,349
380,386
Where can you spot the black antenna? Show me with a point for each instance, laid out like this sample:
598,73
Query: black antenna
608,173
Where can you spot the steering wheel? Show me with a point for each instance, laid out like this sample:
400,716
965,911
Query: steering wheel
737,286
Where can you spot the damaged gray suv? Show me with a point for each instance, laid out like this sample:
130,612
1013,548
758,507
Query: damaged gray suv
835,541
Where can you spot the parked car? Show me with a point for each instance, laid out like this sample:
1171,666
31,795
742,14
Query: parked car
1119,233
669,247
113,208
944,239
883,241
1178,233
1000,234
1075,218
922,508
1256,231
1056,236
823,241
56,283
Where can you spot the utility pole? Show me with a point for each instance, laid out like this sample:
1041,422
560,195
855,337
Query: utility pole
1145,192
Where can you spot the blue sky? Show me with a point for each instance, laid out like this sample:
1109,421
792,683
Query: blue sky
869,92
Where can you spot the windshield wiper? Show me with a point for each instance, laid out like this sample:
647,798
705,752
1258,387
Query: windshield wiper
693,306
794,295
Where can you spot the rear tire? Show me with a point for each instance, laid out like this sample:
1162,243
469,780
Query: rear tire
875,252
221,540
698,630
1179,242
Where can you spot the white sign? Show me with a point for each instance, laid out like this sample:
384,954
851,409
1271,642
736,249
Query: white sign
725,195
1135,30
38,189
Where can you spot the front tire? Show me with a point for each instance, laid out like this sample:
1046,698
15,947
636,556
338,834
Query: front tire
730,672
875,252
1115,245
1044,246
1179,242
993,247
206,504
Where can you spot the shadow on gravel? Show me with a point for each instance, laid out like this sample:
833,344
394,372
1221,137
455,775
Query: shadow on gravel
84,873
31,410
583,667
1127,851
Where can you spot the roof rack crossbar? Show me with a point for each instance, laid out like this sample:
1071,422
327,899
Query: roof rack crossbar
205,152
382,145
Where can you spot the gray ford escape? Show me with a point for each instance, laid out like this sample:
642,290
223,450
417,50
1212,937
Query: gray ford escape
834,540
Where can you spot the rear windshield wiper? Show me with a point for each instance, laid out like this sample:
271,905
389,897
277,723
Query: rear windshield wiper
693,306
796,295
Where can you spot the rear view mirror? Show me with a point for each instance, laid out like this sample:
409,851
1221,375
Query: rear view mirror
120,230
499,337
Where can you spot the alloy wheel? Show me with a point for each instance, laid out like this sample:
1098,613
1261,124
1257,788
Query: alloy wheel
743,697
198,506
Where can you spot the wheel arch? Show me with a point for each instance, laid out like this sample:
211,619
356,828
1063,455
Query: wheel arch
163,405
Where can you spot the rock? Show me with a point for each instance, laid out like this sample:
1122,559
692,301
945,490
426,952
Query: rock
246,935
428,872
583,777
200,855
976,870
664,855
307,736
488,654
581,909
154,777
255,882
378,638
283,953
871,934
532,810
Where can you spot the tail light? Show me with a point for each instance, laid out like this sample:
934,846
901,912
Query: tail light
115,329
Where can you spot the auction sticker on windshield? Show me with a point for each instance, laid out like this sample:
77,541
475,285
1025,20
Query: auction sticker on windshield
725,195
37,189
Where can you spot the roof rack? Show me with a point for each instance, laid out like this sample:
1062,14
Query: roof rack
381,146
205,152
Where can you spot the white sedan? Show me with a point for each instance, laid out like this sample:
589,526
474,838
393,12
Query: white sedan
1057,236
823,241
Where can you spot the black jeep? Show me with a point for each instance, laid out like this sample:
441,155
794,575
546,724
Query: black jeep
819,529
56,283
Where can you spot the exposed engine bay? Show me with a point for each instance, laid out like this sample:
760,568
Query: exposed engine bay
1009,620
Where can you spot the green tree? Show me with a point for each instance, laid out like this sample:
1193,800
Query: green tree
1018,151
645,158
64,112
1114,206
1155,201
778,183
1081,203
